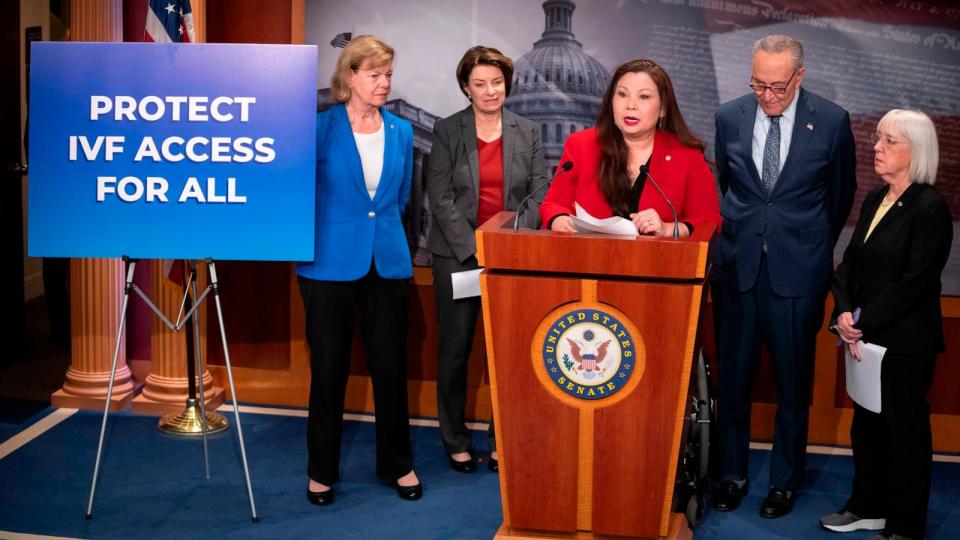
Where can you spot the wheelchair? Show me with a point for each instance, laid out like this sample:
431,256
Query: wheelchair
693,482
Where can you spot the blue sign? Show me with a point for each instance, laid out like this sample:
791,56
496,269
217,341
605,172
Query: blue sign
172,151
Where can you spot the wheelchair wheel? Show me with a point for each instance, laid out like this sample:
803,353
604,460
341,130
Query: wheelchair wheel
706,410
694,510
693,468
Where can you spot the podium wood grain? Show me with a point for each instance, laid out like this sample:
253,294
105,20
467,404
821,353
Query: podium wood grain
574,468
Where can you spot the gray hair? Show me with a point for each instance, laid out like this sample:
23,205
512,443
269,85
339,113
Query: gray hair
777,43
917,128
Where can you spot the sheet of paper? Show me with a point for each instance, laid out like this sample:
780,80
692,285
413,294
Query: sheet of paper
584,222
863,377
466,284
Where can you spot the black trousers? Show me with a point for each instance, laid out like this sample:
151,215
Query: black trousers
332,308
789,326
893,450
457,321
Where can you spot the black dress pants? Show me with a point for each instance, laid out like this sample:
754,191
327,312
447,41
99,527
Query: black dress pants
458,321
332,308
893,450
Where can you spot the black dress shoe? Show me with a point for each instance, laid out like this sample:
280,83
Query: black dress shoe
493,464
467,466
778,503
409,493
320,498
727,497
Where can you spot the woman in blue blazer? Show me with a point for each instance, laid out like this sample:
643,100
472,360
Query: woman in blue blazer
361,266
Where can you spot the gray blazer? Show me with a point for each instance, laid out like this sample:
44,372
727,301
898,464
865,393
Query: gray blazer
453,178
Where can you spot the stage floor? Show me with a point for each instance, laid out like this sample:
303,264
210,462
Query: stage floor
152,485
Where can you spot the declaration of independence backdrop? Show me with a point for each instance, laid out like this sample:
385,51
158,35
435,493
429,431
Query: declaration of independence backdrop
869,56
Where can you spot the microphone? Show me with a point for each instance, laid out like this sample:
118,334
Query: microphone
676,219
567,165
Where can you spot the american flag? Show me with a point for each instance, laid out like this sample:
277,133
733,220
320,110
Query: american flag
340,40
169,21
173,269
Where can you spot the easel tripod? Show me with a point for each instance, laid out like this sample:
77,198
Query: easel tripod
182,318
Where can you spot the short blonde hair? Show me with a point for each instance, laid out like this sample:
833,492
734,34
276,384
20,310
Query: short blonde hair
917,128
357,51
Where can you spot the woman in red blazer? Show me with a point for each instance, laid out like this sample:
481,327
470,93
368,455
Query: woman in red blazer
640,139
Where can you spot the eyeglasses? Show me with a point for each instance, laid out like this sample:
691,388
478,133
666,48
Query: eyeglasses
778,89
887,140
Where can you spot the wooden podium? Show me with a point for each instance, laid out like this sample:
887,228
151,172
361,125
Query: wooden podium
590,343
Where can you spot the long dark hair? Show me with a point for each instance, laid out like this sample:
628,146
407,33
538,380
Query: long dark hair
614,155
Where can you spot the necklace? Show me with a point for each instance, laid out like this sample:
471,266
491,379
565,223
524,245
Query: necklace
884,203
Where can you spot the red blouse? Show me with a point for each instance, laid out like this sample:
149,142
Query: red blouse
491,179
680,171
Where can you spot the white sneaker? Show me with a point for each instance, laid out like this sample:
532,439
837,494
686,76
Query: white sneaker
846,521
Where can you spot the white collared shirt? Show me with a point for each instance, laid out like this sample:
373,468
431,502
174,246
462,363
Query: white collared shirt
761,125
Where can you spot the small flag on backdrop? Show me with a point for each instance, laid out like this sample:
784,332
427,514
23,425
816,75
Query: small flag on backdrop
340,40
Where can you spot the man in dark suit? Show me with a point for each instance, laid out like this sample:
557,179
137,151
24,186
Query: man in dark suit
786,166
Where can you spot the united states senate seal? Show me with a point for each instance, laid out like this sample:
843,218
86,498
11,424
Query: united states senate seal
589,353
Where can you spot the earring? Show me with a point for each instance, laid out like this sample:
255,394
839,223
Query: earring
659,121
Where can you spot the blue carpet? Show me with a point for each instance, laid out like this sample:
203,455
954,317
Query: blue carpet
828,479
152,486
17,414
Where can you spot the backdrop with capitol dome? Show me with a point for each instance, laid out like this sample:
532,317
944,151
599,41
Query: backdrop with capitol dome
867,56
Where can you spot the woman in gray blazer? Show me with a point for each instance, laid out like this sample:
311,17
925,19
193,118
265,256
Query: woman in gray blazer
484,159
